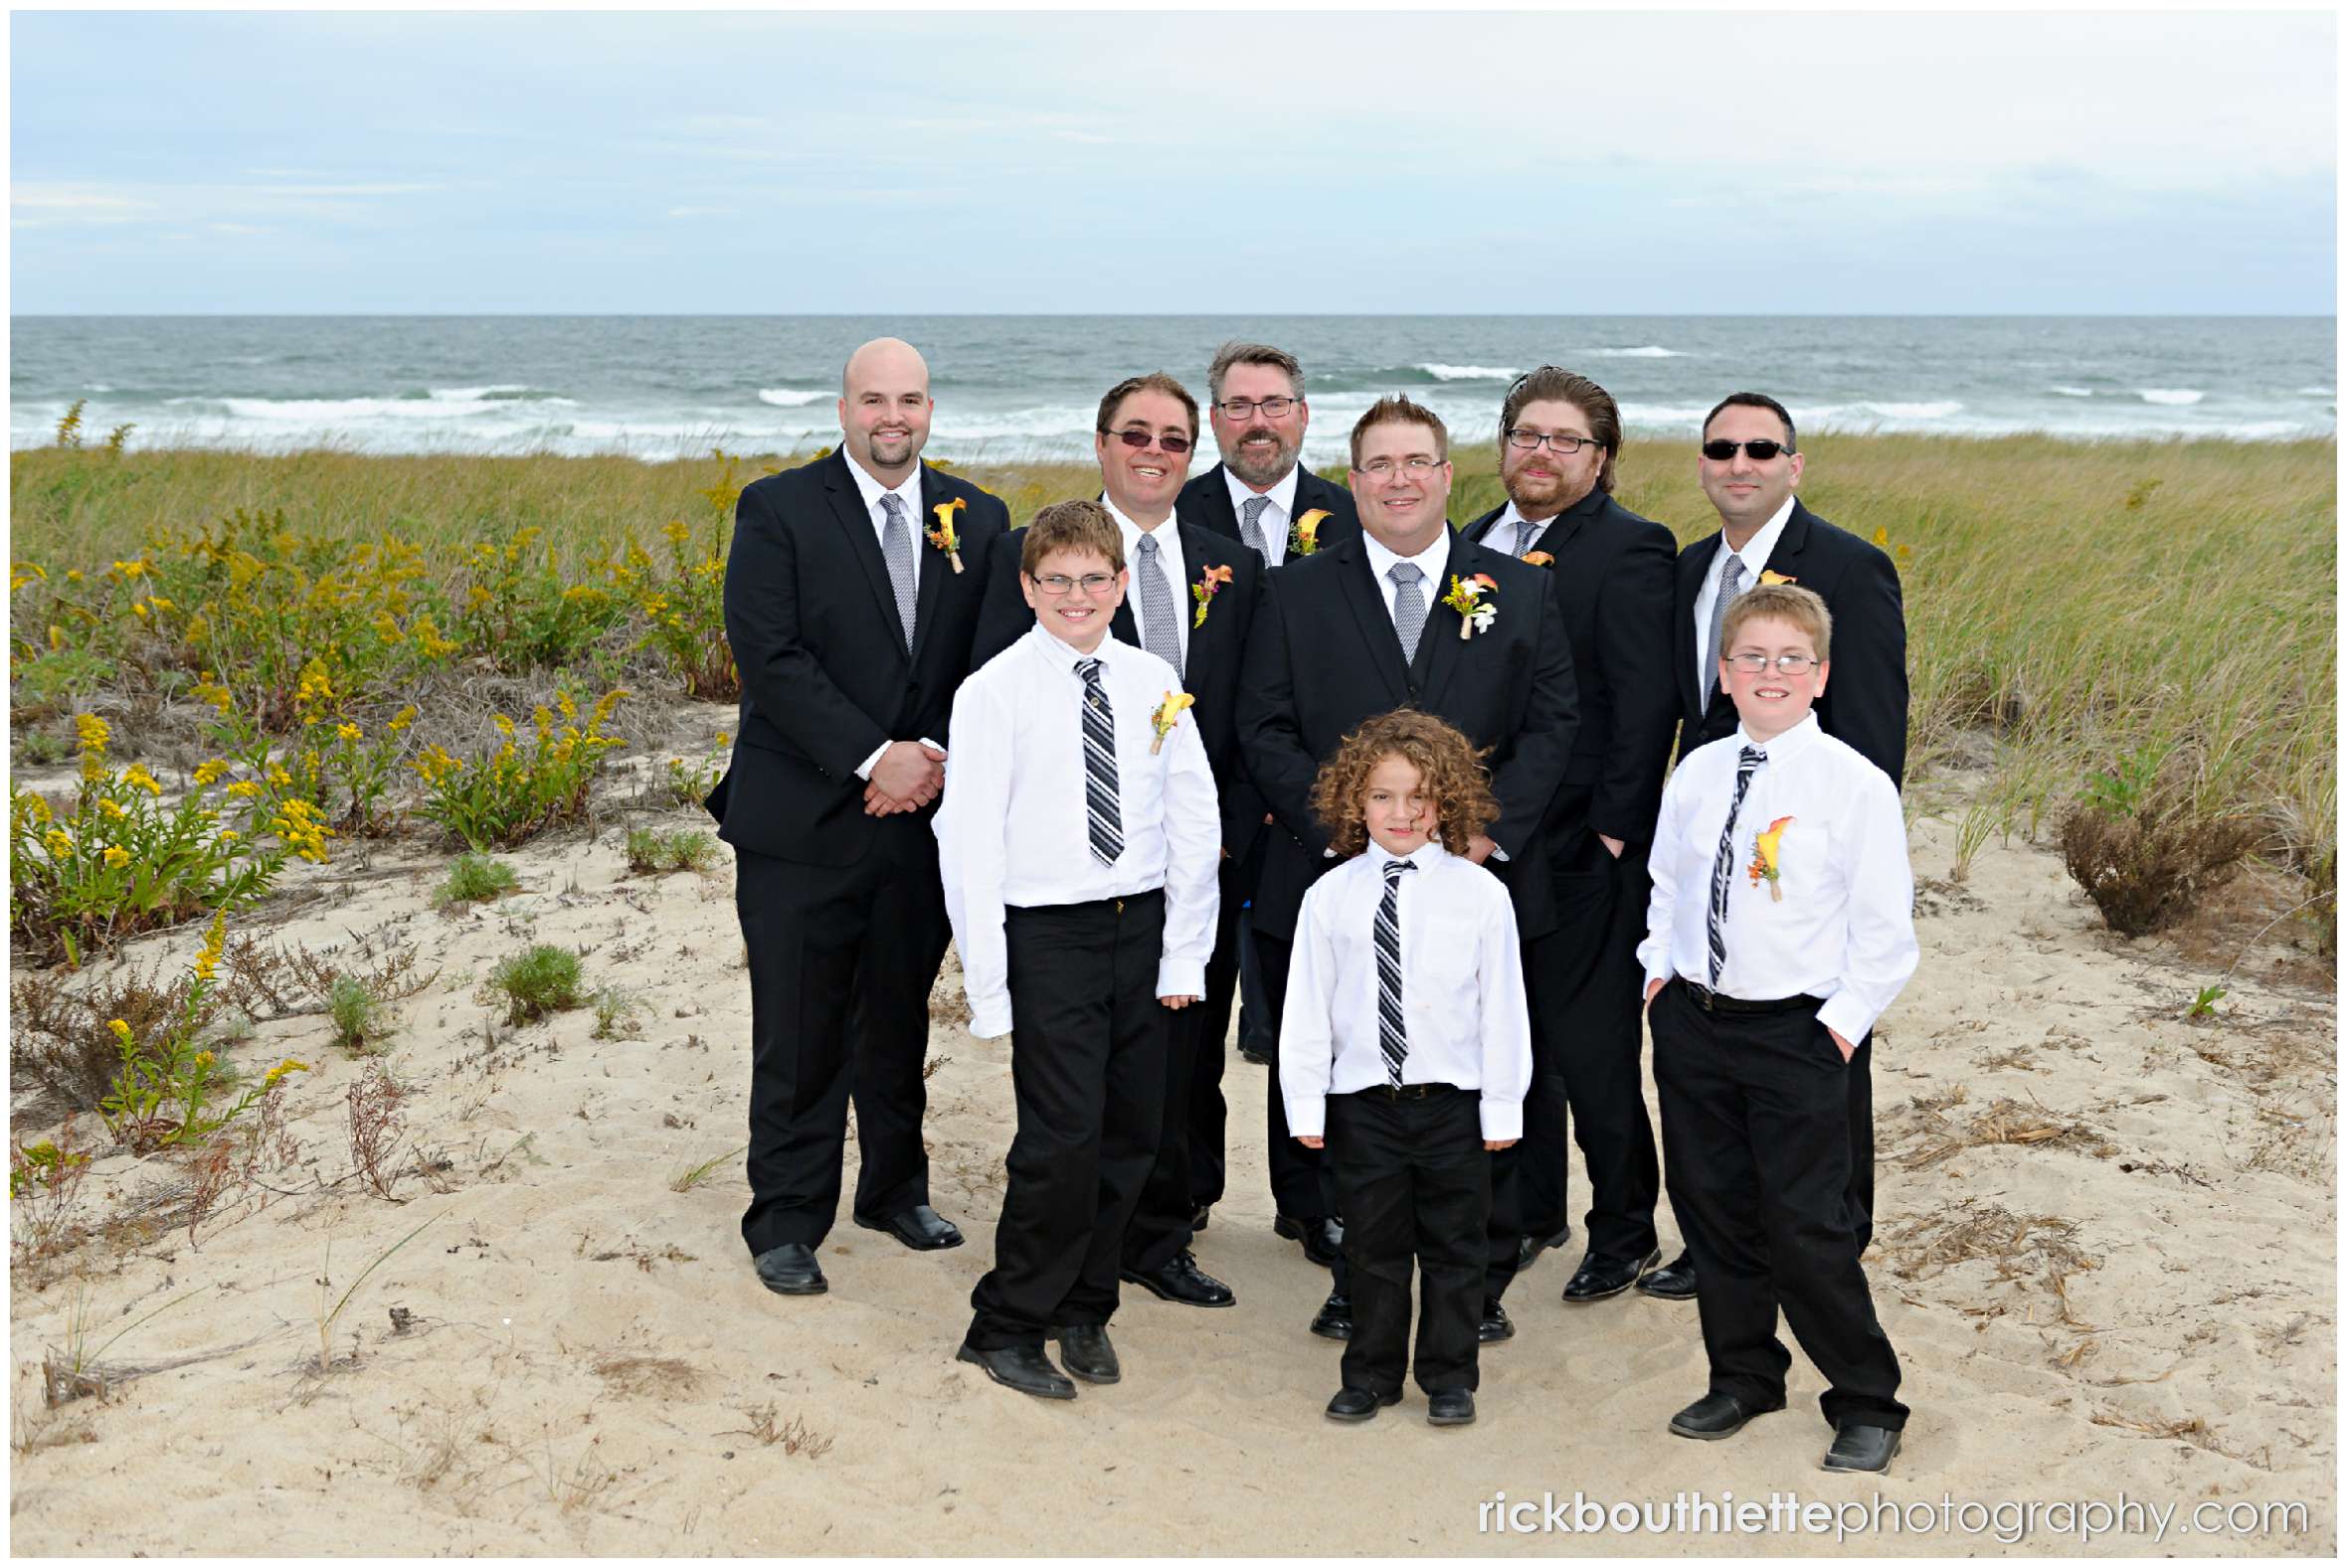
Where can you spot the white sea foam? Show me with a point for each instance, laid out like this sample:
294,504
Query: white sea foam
788,396
2303,392
1647,350
2072,392
2171,397
501,393
1470,372
1913,411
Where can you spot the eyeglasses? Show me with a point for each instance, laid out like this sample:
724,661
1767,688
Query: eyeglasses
1563,446
1240,408
1758,451
1415,468
1786,663
1093,584
1137,440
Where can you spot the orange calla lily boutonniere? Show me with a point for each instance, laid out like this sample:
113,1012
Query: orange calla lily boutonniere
1764,851
943,534
1465,596
1306,538
1767,577
1209,584
1539,558
1168,714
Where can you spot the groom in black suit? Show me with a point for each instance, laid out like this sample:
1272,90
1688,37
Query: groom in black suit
1360,629
850,597
1191,602
1749,464
1559,434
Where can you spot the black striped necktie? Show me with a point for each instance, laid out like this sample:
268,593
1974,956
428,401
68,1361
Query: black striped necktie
1100,769
1748,763
1392,1039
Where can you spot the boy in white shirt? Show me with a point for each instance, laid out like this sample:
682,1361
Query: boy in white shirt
1780,927
1077,841
1405,1046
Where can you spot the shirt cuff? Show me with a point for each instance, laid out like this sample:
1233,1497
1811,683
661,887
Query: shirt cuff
863,770
1499,854
1502,1119
1653,976
991,1020
1308,1117
1847,1016
1181,977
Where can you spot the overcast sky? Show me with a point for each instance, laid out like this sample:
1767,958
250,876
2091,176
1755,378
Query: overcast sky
1174,161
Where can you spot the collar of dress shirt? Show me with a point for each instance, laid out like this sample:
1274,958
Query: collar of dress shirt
1281,495
1067,655
1434,560
872,489
1423,857
1168,532
1757,549
1788,744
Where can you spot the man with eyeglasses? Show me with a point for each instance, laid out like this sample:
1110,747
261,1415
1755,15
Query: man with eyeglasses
852,632
1374,624
1749,464
1561,435
1192,602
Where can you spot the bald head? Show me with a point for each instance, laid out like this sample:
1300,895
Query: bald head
884,409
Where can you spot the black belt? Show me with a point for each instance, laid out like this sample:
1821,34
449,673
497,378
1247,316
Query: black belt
1714,1001
1410,1090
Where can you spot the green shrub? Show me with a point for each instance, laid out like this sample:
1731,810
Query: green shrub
684,849
473,879
506,797
541,981
359,1012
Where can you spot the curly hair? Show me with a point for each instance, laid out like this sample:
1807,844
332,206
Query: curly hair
1450,769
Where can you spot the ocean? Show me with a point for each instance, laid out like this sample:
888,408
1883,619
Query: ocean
1026,386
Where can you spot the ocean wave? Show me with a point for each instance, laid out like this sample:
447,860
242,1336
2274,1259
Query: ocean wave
2072,392
1648,351
2171,397
788,396
2318,391
1913,411
1468,372
502,392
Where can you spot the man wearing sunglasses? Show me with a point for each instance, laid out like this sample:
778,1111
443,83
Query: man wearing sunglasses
1559,436
1749,463
1191,602
852,633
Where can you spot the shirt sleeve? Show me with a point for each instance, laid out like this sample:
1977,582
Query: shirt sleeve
1307,1041
1507,1021
1193,859
1880,950
1654,954
972,858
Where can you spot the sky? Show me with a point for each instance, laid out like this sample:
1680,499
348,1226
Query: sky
1163,162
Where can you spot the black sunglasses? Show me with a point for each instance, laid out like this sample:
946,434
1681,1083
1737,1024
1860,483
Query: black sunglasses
1137,440
1758,451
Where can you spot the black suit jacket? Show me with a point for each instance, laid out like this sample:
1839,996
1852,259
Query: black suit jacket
1211,669
1323,657
1866,700
1612,570
825,675
1206,501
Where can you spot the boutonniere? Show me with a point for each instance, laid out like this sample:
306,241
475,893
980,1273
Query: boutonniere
1306,538
1539,558
1465,596
1766,578
1209,584
1168,715
943,534
1764,850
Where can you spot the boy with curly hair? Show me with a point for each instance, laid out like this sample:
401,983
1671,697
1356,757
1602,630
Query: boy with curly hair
1406,1050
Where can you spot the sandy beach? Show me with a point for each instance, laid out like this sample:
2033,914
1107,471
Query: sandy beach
2105,1253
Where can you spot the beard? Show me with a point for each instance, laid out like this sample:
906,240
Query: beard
1262,464
1532,492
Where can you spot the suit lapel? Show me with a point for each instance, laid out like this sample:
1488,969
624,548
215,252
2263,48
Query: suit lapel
1212,505
933,566
1439,646
1201,549
1693,561
863,542
1375,619
1473,533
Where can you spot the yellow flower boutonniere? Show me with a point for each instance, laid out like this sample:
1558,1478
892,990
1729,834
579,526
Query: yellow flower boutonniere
1539,558
1465,596
943,534
1209,584
1306,538
1168,715
1764,851
1767,578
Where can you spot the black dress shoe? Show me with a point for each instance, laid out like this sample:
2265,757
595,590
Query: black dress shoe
1250,1054
1450,1407
1860,1446
918,1227
1020,1366
1495,1325
1197,1221
1323,1238
1603,1274
790,1270
1086,1353
1673,1282
1335,1319
1717,1416
1179,1279
1532,1246
1360,1404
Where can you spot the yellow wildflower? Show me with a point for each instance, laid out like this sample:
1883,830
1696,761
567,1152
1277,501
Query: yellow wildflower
208,959
210,772
93,732
227,836
60,843
278,1074
279,776
130,568
36,810
505,725
121,1031
348,732
73,574
244,790
116,857
402,719
204,1060
136,773
111,807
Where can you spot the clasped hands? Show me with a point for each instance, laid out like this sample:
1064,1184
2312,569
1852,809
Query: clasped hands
907,777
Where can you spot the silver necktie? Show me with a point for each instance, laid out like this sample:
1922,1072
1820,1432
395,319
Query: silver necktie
1251,526
1732,578
896,544
1410,607
1159,634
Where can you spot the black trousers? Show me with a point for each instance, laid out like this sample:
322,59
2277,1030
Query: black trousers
1300,1186
841,962
1583,981
1194,1112
1416,1186
1088,1072
1756,1134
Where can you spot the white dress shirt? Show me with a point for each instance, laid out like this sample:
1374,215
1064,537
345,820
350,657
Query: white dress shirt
1462,989
1755,556
908,492
1277,518
1845,929
1168,534
1501,536
1434,561
1012,827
